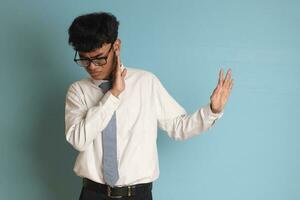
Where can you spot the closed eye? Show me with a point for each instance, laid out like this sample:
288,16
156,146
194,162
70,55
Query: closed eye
99,56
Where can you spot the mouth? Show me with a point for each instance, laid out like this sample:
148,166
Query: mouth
95,73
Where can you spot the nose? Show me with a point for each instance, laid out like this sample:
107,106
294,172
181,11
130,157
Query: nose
92,66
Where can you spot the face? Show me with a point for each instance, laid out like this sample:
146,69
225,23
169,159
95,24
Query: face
103,72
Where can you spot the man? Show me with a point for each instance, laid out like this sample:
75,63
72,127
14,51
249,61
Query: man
111,117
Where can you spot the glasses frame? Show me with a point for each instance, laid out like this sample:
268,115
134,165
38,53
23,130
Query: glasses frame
92,59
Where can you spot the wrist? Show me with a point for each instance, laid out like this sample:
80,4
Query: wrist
213,110
115,93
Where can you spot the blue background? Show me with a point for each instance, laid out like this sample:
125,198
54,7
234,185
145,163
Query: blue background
252,152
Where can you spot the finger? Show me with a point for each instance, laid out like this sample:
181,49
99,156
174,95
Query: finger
118,67
227,92
231,84
218,88
221,74
227,78
124,72
219,81
216,91
228,74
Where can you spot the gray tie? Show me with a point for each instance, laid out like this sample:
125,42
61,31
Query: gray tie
109,143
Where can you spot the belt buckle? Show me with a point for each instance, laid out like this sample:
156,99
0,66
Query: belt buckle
109,193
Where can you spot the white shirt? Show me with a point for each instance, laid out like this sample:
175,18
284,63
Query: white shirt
143,106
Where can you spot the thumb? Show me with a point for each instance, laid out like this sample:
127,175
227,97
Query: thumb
124,72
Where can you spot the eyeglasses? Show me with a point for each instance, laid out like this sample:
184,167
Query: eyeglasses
99,61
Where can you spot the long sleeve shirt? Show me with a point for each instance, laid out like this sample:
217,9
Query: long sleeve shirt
140,109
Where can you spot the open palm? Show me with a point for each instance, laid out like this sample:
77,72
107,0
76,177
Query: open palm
221,93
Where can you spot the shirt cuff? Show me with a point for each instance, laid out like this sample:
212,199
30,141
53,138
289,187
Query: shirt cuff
110,102
211,115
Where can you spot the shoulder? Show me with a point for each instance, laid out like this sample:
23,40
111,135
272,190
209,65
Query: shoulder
138,73
79,86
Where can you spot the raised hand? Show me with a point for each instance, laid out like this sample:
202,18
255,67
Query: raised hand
221,93
118,77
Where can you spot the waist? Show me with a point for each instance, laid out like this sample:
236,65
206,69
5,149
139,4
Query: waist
117,192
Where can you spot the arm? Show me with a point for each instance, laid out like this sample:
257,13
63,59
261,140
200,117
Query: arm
82,125
173,118
186,125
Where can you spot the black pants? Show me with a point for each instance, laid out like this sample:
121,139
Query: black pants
87,194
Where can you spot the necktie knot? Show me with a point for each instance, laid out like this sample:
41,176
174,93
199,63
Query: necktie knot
105,86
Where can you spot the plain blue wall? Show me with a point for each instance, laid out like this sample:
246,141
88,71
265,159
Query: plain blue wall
251,153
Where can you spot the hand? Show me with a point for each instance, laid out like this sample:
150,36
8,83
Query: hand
221,93
118,84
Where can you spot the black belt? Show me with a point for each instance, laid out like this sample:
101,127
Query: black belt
117,192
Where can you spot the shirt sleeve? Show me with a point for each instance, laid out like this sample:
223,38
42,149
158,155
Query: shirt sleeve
82,124
173,118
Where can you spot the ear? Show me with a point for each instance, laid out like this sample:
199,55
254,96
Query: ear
117,46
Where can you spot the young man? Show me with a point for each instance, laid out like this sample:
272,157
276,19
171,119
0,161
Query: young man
111,117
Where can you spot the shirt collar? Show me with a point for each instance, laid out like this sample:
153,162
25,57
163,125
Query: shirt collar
98,82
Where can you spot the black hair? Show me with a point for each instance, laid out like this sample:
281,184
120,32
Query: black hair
90,31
